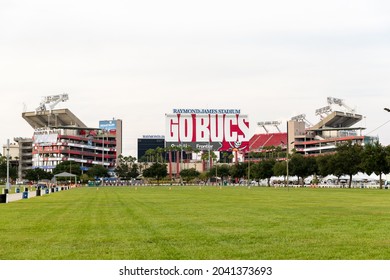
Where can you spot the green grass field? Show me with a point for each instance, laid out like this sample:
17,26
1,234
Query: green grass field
185,223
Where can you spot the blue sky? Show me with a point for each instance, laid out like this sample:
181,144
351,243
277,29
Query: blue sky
137,60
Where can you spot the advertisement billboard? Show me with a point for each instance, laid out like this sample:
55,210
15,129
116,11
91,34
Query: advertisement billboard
215,130
45,139
108,126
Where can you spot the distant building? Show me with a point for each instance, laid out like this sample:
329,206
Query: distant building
149,142
13,153
24,155
13,150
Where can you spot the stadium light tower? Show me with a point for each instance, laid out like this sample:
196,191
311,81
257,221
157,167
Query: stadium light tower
52,101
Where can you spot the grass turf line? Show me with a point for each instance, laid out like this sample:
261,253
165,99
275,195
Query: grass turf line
184,223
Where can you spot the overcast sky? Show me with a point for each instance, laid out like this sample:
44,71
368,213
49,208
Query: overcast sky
137,60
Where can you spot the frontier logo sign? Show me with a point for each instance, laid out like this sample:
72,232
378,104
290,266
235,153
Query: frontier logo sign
214,131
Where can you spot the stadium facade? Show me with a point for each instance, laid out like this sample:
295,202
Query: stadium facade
336,125
59,135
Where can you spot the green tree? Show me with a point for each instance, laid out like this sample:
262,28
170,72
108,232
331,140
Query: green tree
134,171
159,154
37,174
68,166
213,157
205,156
222,171
239,170
374,160
188,151
387,149
348,159
151,155
204,176
196,152
302,167
279,152
13,171
225,156
157,171
143,159
324,164
122,168
189,174
127,168
336,166
280,168
97,171
264,170
85,178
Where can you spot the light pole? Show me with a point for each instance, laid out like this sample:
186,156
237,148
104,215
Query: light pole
181,163
103,148
249,165
209,163
8,185
287,179
216,173
287,159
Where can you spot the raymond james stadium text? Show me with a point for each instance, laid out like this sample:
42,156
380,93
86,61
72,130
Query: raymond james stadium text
206,111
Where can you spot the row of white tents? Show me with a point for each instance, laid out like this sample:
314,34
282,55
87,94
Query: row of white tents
359,179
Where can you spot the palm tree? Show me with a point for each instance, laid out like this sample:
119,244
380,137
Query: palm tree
225,156
204,157
278,150
159,152
188,149
231,157
150,153
196,151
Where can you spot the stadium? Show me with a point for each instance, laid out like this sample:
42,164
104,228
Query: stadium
59,135
191,222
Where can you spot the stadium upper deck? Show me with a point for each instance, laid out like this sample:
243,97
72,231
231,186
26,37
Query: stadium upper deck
53,118
335,126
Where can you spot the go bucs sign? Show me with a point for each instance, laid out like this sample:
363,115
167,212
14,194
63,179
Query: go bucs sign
215,129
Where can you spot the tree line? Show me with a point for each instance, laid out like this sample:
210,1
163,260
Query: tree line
37,174
348,159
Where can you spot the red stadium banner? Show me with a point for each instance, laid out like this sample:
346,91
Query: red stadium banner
214,131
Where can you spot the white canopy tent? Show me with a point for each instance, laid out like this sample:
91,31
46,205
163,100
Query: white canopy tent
66,175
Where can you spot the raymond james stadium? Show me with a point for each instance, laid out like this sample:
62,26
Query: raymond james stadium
207,189
199,139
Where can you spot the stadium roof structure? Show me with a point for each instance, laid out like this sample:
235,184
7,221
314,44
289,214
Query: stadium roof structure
259,141
53,118
337,120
